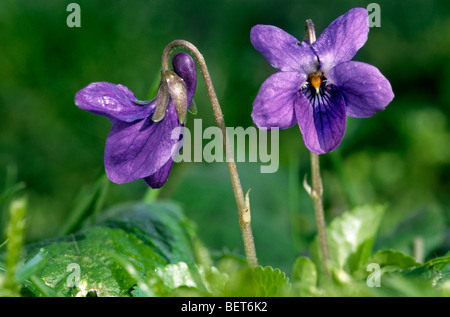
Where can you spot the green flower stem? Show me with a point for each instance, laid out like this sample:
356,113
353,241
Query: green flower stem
317,188
242,203
316,195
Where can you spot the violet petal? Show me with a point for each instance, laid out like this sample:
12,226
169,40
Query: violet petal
139,149
113,101
321,120
274,103
282,50
342,38
365,90
158,179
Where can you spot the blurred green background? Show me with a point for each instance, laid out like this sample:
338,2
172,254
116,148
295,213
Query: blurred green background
400,157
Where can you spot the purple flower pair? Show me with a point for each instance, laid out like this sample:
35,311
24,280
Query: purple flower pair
140,143
318,85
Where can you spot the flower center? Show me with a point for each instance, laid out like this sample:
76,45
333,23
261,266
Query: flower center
318,91
316,80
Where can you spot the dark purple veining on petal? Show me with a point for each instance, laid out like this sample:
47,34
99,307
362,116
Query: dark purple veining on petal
328,115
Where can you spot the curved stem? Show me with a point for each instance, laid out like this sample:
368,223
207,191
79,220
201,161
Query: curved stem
242,203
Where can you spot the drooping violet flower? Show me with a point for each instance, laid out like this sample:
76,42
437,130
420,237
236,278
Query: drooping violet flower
140,143
318,85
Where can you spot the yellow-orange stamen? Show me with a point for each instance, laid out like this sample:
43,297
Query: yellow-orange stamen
316,80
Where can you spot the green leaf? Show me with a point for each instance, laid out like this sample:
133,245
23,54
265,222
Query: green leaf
271,281
213,279
96,260
176,275
304,277
390,260
401,275
183,280
350,237
259,281
419,282
436,271
304,271
387,261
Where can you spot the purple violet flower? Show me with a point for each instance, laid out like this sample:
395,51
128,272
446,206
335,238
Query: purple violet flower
318,85
140,143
